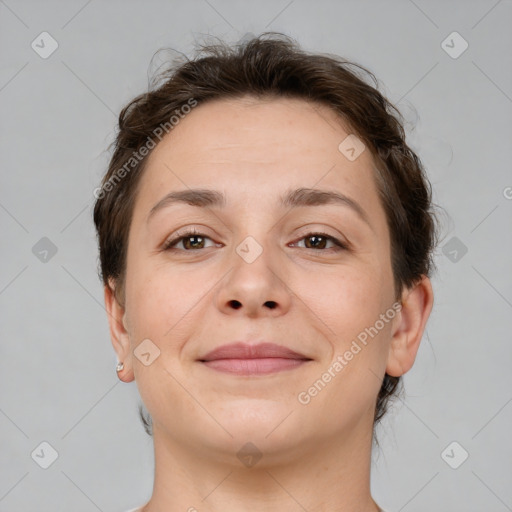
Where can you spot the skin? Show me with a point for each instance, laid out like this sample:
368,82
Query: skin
314,455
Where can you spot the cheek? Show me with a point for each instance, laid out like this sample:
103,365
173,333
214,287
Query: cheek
346,300
349,305
158,303
347,382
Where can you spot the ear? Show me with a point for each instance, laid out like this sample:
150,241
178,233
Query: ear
118,332
417,303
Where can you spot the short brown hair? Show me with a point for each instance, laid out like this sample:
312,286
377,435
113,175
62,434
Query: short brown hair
273,65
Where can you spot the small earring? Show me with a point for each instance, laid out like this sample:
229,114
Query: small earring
119,367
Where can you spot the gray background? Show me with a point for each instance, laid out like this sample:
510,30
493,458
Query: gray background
57,377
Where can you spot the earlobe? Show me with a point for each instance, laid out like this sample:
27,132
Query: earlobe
119,335
417,303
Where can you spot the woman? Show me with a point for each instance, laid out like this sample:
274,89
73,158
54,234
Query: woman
266,241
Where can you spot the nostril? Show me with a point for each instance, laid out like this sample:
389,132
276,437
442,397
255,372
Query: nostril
235,304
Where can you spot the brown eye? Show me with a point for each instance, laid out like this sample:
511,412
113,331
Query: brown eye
190,241
193,242
318,241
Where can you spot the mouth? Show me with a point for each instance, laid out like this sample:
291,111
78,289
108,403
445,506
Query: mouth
262,359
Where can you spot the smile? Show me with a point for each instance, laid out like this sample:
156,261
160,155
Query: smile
241,358
259,366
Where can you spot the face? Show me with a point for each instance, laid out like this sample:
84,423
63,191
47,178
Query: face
309,274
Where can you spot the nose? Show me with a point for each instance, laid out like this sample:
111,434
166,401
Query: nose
254,288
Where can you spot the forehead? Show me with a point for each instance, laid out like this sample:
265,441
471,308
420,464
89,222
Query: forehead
259,131
258,148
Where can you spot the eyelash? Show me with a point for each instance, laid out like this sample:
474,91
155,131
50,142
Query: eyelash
169,245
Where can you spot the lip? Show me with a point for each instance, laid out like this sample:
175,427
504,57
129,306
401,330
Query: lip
244,359
241,350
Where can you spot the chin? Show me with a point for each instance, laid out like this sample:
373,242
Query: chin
264,421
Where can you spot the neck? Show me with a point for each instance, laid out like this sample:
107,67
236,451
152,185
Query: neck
326,476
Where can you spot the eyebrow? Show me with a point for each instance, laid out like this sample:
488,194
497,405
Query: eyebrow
207,198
